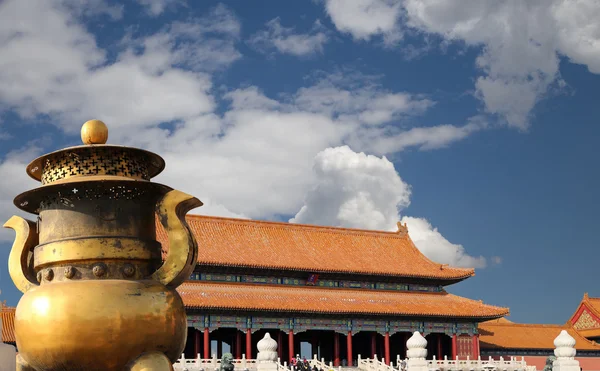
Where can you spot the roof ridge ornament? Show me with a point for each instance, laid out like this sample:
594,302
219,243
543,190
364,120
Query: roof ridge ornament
402,229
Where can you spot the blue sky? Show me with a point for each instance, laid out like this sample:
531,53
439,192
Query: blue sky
474,123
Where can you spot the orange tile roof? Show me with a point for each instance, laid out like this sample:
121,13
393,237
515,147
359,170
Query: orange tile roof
509,335
274,245
257,297
8,324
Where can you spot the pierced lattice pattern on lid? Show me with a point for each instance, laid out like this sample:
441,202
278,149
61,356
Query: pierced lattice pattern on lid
95,161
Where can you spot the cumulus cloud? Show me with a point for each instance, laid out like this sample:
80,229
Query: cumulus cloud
287,41
242,152
363,191
520,41
354,190
436,247
72,80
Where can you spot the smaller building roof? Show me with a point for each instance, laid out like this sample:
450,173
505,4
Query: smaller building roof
248,243
586,319
310,299
508,335
8,324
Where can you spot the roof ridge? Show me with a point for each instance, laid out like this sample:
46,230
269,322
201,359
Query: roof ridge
323,228
401,233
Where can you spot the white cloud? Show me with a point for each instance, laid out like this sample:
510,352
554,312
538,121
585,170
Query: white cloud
54,67
366,18
424,138
252,158
14,181
356,190
436,247
287,41
520,41
359,99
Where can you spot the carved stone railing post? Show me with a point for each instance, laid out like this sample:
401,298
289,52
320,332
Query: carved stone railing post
416,353
266,360
565,353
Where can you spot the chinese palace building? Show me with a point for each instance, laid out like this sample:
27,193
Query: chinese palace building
341,293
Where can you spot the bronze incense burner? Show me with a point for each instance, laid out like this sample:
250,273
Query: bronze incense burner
97,294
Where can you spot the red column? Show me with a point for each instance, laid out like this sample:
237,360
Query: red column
336,349
439,346
248,344
238,344
206,343
349,341
475,346
387,347
373,344
279,347
291,344
454,349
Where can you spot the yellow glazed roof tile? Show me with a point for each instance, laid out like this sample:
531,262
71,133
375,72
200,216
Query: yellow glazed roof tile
258,297
508,335
273,245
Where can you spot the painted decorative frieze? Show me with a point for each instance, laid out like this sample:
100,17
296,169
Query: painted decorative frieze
585,321
246,278
343,326
369,325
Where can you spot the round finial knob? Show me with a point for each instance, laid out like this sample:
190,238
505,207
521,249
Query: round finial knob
94,132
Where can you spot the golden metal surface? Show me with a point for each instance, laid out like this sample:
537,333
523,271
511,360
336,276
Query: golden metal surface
98,324
97,295
94,132
94,249
183,248
150,362
95,161
20,260
154,163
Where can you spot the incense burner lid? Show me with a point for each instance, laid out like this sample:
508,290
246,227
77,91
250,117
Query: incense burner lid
95,158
